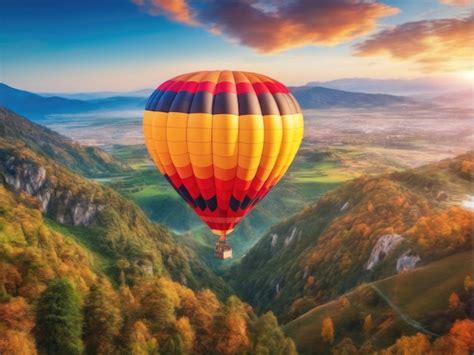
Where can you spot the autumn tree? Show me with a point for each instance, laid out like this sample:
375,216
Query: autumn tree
102,320
327,331
58,319
468,283
454,301
230,328
157,304
410,345
368,324
463,330
13,342
141,342
186,332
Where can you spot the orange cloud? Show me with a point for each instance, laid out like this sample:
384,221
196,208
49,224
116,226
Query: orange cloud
178,10
436,45
272,26
456,2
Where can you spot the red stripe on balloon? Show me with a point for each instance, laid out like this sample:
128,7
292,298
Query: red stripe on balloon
244,88
225,86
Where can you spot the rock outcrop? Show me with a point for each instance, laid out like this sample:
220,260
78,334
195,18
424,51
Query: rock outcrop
290,238
407,262
63,205
344,206
274,240
384,245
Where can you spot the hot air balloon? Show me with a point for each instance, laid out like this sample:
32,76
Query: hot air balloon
223,140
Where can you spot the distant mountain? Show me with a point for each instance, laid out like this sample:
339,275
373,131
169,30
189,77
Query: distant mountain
99,94
37,106
26,103
314,97
88,161
364,230
404,87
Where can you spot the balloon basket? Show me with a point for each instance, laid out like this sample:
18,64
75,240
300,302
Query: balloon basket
222,250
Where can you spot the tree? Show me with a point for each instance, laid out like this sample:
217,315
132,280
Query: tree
58,319
141,342
13,342
454,301
410,345
102,320
468,283
463,330
230,328
368,324
327,331
269,338
186,333
157,304
345,347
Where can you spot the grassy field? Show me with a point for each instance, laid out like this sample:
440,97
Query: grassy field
421,295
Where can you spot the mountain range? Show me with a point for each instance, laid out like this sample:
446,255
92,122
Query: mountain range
38,106
431,86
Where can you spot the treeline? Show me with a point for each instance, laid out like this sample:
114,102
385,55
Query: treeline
155,316
459,341
55,298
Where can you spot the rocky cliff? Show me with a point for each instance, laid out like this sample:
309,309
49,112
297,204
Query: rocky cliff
66,206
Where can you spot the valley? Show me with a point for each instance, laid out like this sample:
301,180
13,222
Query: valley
340,144
347,234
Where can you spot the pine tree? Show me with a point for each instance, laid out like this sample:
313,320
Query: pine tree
102,320
58,319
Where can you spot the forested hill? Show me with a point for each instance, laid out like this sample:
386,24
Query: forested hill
101,218
79,253
365,230
88,161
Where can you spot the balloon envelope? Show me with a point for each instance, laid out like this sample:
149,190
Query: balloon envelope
223,139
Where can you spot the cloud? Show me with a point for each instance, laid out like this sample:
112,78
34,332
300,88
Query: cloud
456,2
436,45
272,26
177,10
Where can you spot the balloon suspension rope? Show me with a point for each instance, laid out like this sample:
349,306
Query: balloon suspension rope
223,237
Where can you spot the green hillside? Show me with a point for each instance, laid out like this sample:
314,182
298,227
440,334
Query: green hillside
324,251
102,219
88,161
414,301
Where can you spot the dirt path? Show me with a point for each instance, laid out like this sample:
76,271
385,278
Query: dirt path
407,319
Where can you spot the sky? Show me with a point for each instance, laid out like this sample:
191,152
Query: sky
120,45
